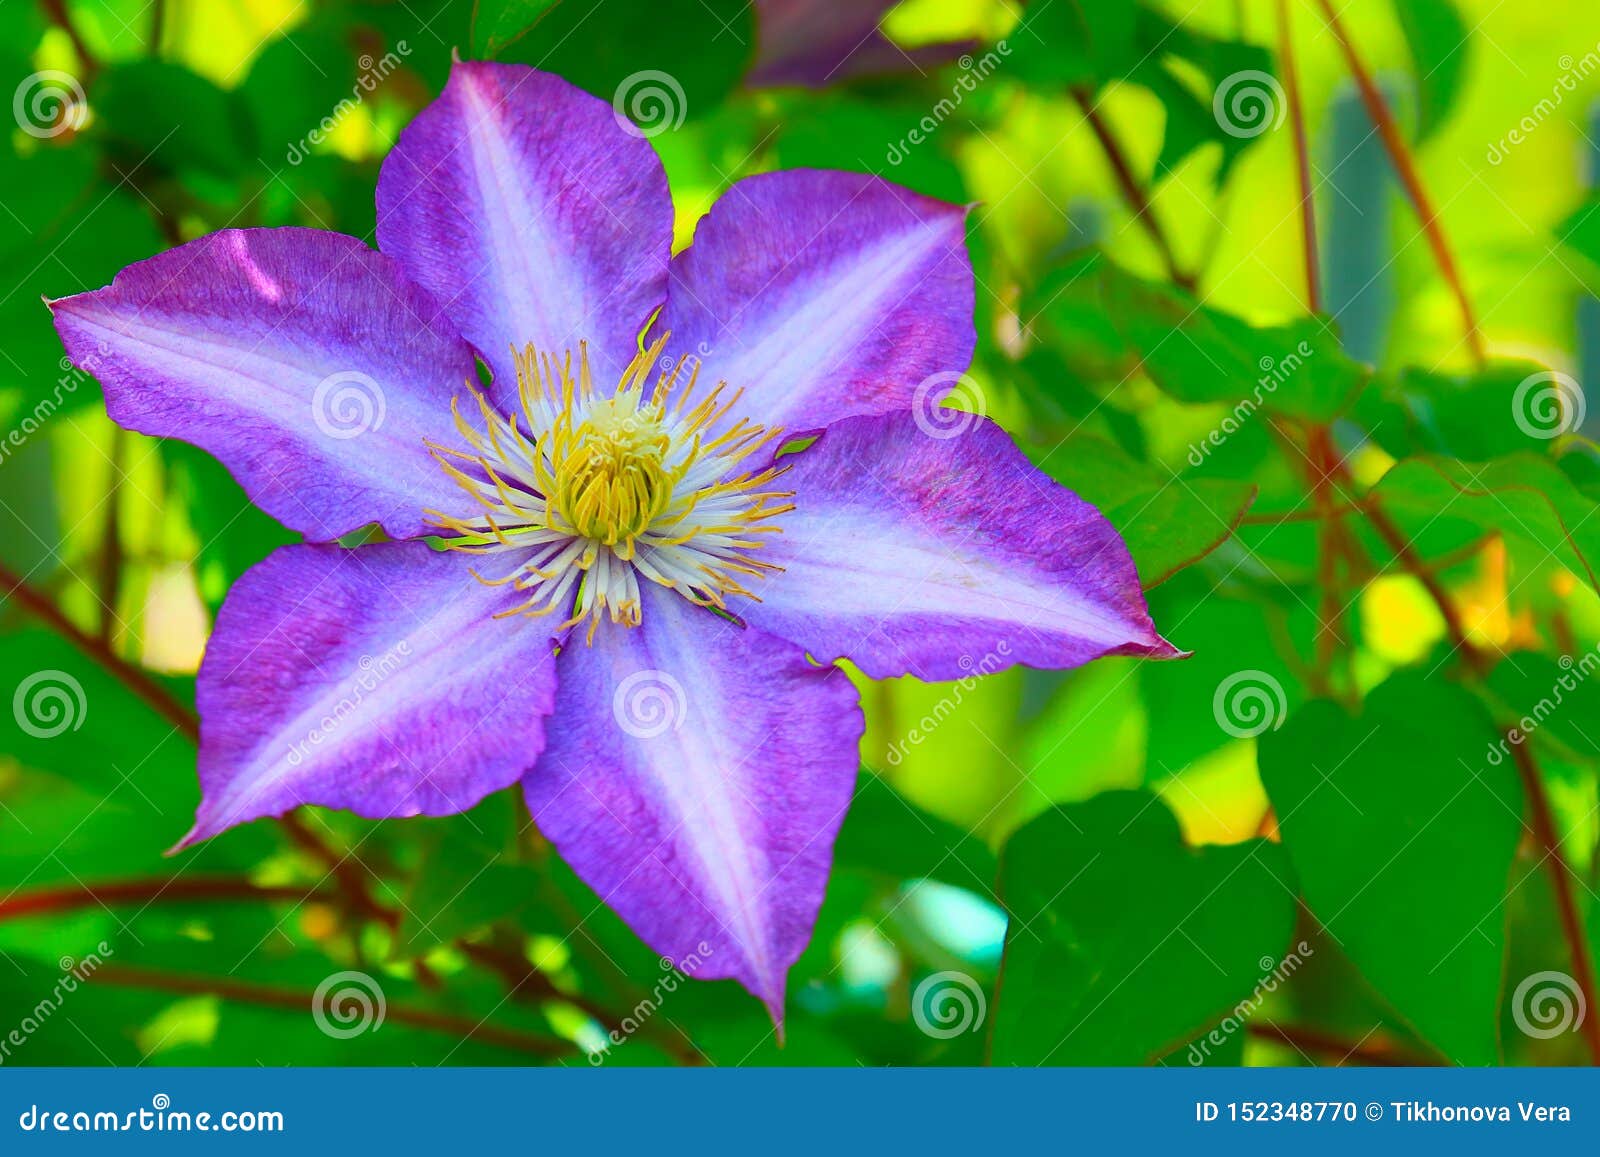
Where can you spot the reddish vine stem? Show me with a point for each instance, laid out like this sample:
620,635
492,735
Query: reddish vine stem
41,606
56,12
1313,1040
13,586
1405,167
1543,824
298,1000
1302,152
1132,191
71,897
1394,538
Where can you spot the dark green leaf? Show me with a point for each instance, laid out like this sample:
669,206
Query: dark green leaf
1402,828
1123,943
1438,39
497,23
1168,522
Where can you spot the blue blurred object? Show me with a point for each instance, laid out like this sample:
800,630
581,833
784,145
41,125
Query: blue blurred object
1356,217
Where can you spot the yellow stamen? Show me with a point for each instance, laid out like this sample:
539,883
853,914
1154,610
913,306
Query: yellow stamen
601,492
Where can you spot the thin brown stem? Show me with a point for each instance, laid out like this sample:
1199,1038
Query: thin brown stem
158,26
1406,169
347,871
1132,191
1543,825
300,1000
1394,538
169,890
17,589
56,12
1313,1040
1302,153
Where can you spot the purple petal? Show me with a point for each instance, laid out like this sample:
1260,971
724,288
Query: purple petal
944,555
533,213
823,295
373,679
695,777
302,359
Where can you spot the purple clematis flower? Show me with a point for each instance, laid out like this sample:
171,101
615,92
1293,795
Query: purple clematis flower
604,580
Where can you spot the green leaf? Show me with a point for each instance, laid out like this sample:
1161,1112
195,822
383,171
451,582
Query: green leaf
1438,39
888,835
1506,407
1194,352
1530,500
1076,42
1167,521
1228,66
1402,831
658,61
1124,943
163,115
463,880
497,23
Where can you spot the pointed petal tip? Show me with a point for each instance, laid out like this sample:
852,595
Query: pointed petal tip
774,1007
1161,649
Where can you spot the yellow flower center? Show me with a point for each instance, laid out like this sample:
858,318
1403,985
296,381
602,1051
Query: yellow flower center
610,475
594,493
